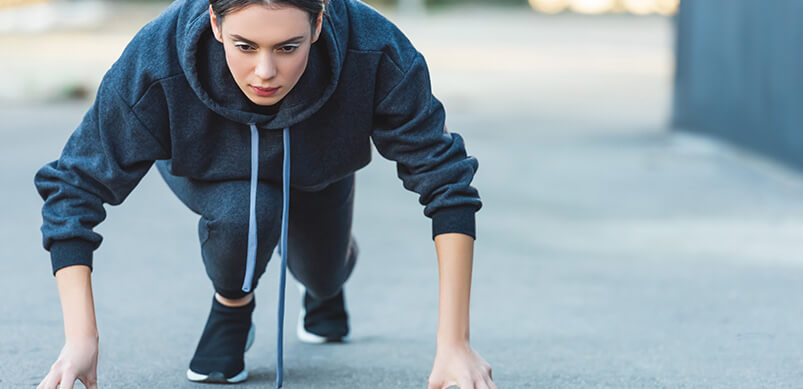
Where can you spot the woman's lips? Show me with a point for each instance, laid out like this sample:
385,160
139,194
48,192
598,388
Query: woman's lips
264,92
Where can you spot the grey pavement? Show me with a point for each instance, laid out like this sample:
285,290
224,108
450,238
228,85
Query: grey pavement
611,252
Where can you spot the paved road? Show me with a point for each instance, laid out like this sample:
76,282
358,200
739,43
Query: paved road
611,252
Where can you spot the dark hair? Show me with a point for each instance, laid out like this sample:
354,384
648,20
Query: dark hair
221,8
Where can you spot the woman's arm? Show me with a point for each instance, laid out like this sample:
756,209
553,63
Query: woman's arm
77,303
409,128
455,261
79,357
455,362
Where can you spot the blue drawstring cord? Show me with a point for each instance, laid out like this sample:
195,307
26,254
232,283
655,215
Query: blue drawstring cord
252,239
250,260
283,252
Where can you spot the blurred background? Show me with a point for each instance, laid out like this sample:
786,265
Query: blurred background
640,171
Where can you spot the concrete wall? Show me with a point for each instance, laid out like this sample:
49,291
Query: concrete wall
740,73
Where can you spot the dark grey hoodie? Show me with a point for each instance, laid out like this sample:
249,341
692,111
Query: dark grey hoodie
171,98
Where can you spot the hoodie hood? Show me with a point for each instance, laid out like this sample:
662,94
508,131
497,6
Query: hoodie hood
203,61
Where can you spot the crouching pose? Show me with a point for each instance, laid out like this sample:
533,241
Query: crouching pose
257,113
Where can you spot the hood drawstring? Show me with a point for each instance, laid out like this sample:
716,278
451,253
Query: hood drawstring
252,238
250,260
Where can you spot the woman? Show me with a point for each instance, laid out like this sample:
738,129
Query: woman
257,113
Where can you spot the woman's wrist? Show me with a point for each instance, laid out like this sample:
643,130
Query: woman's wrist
86,340
453,329
82,335
452,341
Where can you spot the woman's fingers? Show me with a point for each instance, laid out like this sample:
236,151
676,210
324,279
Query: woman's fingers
43,382
493,384
441,384
481,383
466,384
68,381
50,381
90,384
489,382
490,378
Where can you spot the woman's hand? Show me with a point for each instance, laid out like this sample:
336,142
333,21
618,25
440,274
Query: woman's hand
77,360
461,366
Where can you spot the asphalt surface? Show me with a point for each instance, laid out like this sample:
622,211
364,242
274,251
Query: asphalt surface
611,251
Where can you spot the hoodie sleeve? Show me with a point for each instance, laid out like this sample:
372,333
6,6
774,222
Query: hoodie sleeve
102,162
409,128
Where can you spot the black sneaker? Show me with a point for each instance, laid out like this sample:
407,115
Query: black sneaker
322,321
228,334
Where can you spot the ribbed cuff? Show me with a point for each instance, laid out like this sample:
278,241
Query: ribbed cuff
70,252
454,219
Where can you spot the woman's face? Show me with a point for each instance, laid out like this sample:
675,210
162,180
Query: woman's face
266,48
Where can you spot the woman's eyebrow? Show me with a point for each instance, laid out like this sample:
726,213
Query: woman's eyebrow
252,43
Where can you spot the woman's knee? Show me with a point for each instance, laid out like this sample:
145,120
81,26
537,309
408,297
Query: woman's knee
224,241
324,278
225,253
324,290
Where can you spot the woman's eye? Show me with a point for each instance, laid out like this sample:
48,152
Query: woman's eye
287,49
245,48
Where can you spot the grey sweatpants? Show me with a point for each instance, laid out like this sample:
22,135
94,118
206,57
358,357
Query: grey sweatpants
321,252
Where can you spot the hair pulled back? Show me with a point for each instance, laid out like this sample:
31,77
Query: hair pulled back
313,8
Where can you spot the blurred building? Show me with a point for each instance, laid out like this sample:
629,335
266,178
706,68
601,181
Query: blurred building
739,74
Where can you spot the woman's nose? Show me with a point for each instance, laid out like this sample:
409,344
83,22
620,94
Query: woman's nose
266,69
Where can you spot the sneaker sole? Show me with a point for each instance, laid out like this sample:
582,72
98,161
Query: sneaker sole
218,377
308,337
